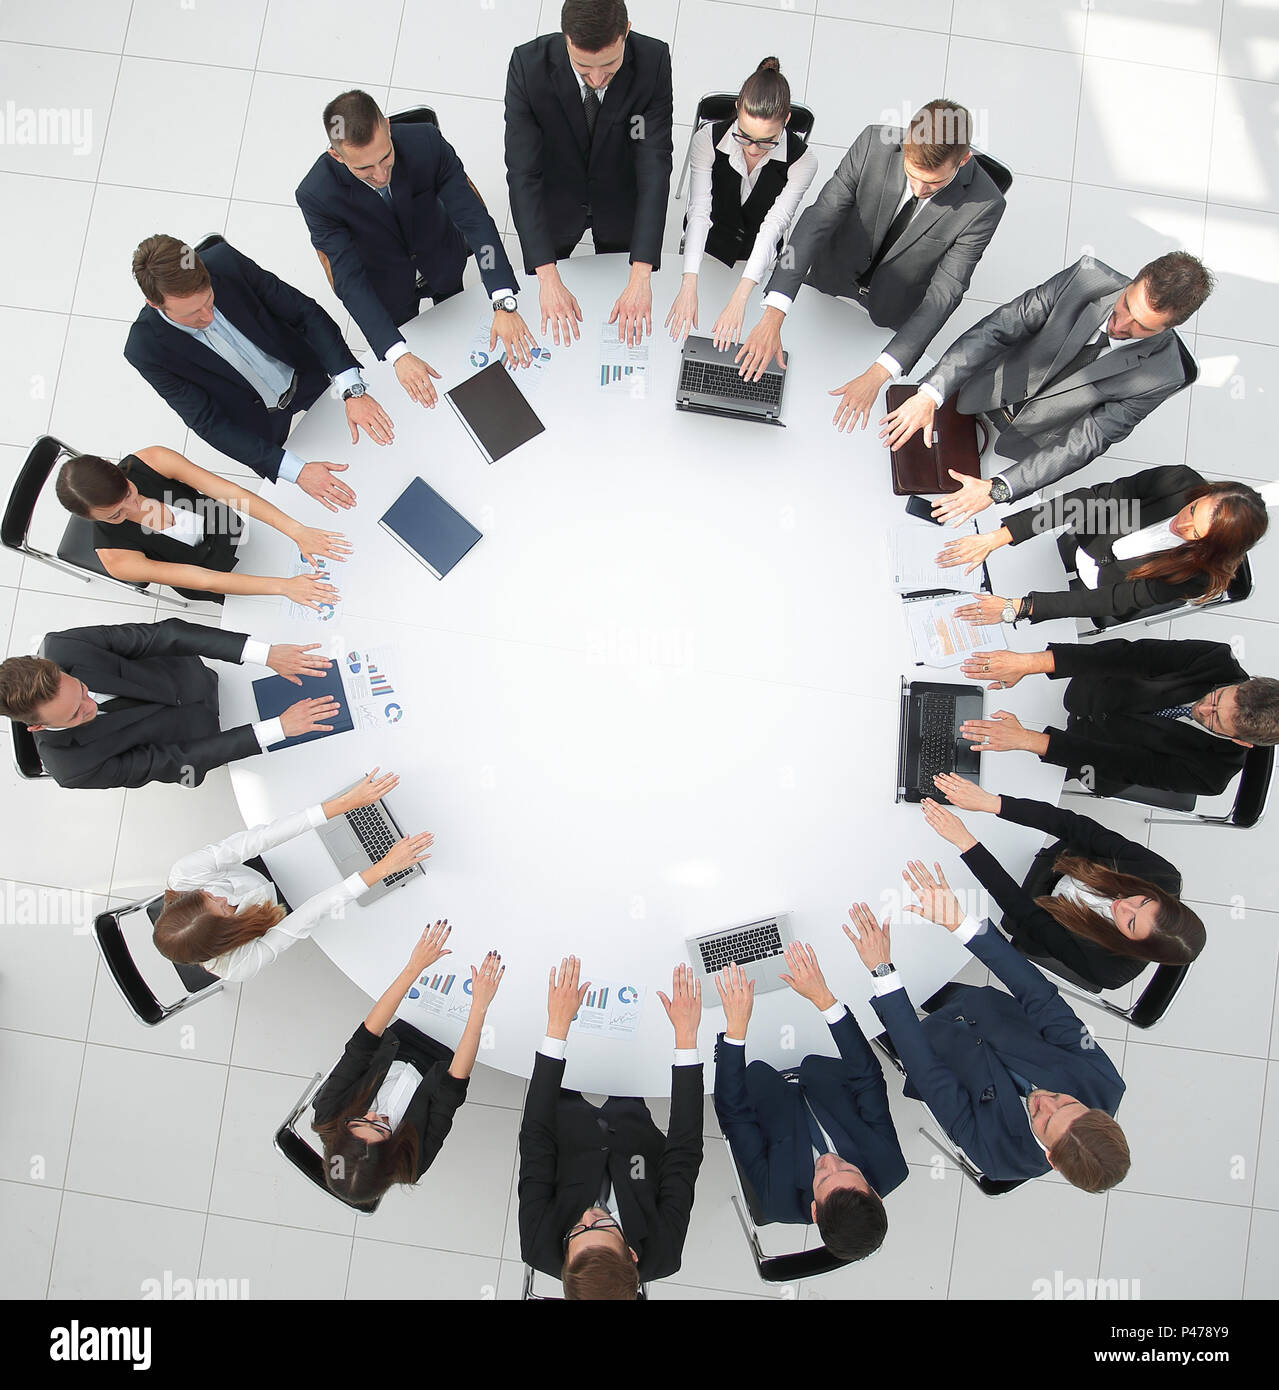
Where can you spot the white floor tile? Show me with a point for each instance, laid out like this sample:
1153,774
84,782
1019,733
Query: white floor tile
1043,23
1261,1279
656,18
315,38
29,1220
933,15
225,34
1191,1120
1242,249
1249,40
383,1272
492,1087
61,104
1267,1189
1232,400
510,1283
1180,36
670,1291
145,1243
1161,437
1128,229
1029,245
1174,1249
30,352
49,958
39,1080
88,24
474,61
261,1261
194,150
44,234
1245,168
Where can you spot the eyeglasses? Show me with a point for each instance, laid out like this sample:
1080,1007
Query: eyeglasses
379,1125
604,1223
1211,717
746,142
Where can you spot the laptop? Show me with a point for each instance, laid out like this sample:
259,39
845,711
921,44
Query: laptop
755,946
929,740
709,383
360,838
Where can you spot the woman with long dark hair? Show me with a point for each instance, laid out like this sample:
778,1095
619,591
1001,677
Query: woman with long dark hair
387,1107
158,518
1155,537
221,913
1094,902
747,178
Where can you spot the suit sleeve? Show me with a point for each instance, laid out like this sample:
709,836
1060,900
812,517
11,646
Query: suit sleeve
1151,658
945,289
441,1095
681,1162
1085,510
865,1074
1119,601
472,219
350,283
138,641
1045,1009
524,153
1134,764
1089,838
653,154
538,1152
187,763
347,1077
738,1117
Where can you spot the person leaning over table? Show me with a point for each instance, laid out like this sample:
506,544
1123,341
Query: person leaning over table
386,1109
161,519
1149,539
747,177
223,914
1100,905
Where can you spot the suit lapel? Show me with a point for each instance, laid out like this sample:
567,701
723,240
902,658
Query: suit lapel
934,209
616,103
564,81
891,189
1108,364
192,349
401,199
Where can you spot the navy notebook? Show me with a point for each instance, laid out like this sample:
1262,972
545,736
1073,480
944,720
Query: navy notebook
432,531
274,695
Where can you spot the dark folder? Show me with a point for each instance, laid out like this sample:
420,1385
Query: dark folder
432,531
274,695
495,412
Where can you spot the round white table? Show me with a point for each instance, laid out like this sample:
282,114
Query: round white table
659,696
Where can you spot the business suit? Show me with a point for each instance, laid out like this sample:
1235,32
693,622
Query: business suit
1011,356
561,181
1102,515
923,276
377,251
564,1156
958,1059
363,1067
171,734
1114,689
210,395
1033,931
763,1118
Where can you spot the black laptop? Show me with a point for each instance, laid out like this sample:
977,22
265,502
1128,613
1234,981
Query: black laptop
929,740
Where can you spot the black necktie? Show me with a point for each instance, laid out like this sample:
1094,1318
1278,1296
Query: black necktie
591,109
606,1184
1090,352
895,228
814,1131
118,703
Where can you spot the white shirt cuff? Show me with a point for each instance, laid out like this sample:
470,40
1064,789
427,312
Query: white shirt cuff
315,815
355,885
348,378
834,1013
290,466
886,984
687,1057
255,653
736,1042
267,732
500,294
931,392
553,1047
967,929
774,300
891,365
396,351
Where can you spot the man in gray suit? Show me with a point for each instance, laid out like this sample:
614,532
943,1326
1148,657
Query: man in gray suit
897,230
1062,373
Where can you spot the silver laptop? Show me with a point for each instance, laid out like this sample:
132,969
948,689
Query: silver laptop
360,838
709,382
755,946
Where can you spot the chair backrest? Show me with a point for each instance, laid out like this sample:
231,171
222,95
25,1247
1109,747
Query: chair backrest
1239,588
1254,787
1154,1000
129,980
26,756
307,1160
414,115
213,239
1188,363
528,1295
998,173
43,456
722,106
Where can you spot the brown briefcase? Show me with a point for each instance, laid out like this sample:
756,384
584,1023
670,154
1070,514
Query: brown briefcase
919,469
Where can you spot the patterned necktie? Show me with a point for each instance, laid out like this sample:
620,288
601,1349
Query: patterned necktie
591,109
1174,712
1090,352
385,193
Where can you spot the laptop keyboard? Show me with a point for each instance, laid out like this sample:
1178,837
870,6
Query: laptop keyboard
753,943
715,379
936,739
375,835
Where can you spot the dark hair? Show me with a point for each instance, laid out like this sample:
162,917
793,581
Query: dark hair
1093,1153
592,25
1178,935
187,932
852,1223
1238,523
357,1170
1176,284
26,683
353,118
163,266
939,133
765,94
1257,717
87,482
600,1273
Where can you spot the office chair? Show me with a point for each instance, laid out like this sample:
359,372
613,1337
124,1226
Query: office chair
134,990
998,173
26,756
1145,1011
307,1160
722,106
1252,791
1239,589
527,1294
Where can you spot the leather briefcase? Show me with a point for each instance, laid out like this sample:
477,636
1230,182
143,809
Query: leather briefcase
919,469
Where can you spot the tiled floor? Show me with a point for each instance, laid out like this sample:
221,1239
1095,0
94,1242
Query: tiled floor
1133,126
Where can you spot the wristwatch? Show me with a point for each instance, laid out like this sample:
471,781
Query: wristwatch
357,390
1009,614
506,304
1000,491
886,969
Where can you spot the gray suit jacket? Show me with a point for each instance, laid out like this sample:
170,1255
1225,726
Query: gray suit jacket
920,281
1007,357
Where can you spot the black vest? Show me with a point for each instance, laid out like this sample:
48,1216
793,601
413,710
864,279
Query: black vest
734,224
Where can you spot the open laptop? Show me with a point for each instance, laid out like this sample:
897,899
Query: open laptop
756,946
360,838
709,383
929,740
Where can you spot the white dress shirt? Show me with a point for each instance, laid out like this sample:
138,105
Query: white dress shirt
1071,888
188,526
776,221
220,869
397,1090
1150,540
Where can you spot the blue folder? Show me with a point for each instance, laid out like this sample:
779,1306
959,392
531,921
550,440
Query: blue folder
274,695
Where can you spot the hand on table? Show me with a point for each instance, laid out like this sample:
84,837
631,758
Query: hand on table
312,542
857,397
517,337
915,413
291,661
1001,733
956,507
737,994
683,314
1002,669
317,480
558,307
763,346
633,311
415,376
308,716
983,610
369,789
310,590
403,854
971,551
364,413
948,825
968,796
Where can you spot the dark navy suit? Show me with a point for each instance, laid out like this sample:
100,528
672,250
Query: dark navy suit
762,1116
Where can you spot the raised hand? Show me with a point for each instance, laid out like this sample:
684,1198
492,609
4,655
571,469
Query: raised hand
684,1007
937,900
564,997
805,976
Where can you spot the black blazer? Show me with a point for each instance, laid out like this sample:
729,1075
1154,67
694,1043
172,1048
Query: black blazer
1032,930
208,393
171,734
622,179
562,1165
376,252
763,1119
364,1065
1096,517
1114,689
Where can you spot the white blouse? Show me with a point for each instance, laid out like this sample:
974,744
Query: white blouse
188,527
398,1088
1150,540
220,870
1068,887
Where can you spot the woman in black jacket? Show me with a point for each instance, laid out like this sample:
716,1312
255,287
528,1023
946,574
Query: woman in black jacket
1161,536
387,1107
1102,906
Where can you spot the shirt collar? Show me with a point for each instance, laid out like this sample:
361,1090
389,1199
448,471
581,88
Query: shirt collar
737,156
